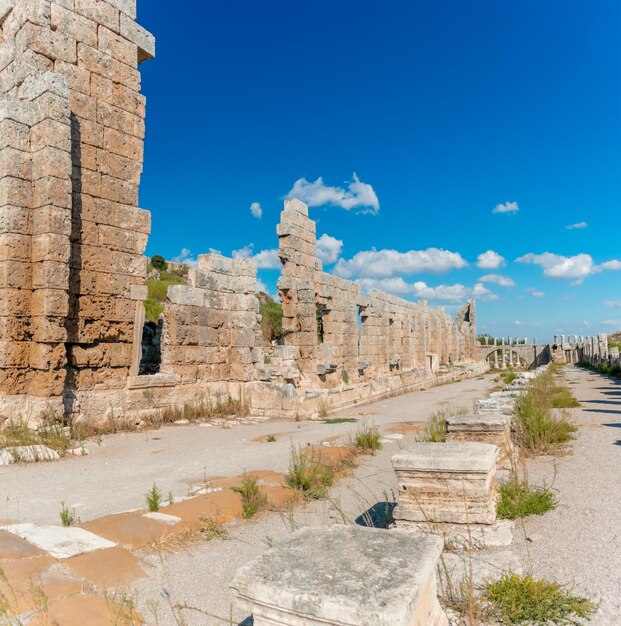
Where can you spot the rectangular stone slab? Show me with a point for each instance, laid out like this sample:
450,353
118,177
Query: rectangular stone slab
480,421
447,457
344,575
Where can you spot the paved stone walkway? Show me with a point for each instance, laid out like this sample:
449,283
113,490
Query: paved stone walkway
96,572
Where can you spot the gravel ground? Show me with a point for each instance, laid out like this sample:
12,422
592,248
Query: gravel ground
200,576
123,467
577,544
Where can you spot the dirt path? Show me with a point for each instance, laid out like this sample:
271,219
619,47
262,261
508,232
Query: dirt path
579,543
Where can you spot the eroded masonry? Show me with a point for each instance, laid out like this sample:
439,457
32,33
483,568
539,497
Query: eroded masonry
72,265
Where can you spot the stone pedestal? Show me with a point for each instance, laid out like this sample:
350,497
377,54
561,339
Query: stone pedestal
446,483
344,576
494,428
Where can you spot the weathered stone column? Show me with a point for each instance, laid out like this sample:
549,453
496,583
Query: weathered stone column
503,364
139,294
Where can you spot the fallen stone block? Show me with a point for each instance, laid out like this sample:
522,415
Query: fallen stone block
345,576
27,454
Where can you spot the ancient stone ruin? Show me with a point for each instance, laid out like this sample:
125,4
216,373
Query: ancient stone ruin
73,265
73,238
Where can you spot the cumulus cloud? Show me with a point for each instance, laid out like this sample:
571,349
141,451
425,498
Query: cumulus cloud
185,256
358,195
613,304
575,268
420,289
506,207
577,225
266,259
490,260
386,263
256,210
498,279
328,249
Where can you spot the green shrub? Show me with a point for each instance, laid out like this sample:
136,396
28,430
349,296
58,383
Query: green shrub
271,317
508,377
252,498
311,477
517,599
158,262
518,499
67,515
153,498
368,439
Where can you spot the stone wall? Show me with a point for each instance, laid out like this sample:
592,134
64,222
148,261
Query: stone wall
343,336
71,236
72,265
211,325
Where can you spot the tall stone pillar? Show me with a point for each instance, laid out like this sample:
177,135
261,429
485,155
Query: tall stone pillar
296,285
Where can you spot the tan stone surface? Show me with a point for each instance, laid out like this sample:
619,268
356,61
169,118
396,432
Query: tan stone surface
14,547
88,609
29,579
109,568
129,529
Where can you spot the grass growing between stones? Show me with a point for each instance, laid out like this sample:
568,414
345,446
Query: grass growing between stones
519,499
435,429
51,433
309,476
538,429
368,439
515,599
67,515
252,498
508,377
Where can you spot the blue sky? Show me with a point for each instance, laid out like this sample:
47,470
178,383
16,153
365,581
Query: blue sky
406,125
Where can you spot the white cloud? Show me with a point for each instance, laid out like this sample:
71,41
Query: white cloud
615,323
613,304
261,286
358,195
420,289
328,249
498,279
577,225
490,260
256,210
537,294
266,259
185,256
575,268
517,323
507,207
386,263
611,265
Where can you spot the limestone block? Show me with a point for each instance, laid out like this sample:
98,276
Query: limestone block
13,134
123,144
452,482
27,454
100,12
73,25
116,46
140,36
344,575
493,428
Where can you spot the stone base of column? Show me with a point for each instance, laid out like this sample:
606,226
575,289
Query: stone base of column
344,576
